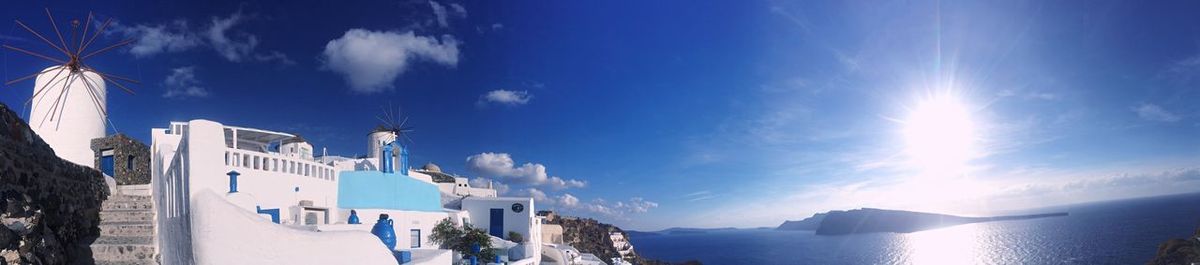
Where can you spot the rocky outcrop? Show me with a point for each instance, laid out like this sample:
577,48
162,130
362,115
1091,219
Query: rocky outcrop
868,220
1178,251
51,208
591,236
808,224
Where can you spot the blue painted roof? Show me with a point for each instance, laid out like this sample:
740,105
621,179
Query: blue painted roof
378,190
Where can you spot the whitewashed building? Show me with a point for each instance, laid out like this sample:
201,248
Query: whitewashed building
277,177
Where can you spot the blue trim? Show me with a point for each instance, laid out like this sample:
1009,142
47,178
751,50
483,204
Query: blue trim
273,212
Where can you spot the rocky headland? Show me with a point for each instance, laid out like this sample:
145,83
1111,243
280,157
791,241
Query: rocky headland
869,220
1181,251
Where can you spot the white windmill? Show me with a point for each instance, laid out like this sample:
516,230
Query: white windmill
69,98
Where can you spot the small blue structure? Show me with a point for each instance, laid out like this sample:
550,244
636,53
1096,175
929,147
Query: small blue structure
385,161
384,230
353,218
273,212
403,160
403,256
233,180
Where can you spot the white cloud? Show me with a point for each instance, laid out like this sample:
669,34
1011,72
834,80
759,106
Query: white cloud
372,60
500,188
536,194
502,166
182,83
557,183
568,200
1153,112
155,39
505,97
497,26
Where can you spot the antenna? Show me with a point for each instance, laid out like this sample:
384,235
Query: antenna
74,49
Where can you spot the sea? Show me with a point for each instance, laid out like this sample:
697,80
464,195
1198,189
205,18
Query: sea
1113,232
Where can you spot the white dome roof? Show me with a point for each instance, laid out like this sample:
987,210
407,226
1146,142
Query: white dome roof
432,167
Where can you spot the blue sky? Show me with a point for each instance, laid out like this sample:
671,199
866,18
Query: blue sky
677,113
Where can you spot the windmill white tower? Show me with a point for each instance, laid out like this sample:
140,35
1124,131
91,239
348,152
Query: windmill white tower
69,102
393,131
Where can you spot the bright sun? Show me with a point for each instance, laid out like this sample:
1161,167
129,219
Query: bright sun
940,136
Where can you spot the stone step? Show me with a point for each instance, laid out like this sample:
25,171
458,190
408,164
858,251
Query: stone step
127,262
122,197
116,216
124,240
127,229
122,252
127,205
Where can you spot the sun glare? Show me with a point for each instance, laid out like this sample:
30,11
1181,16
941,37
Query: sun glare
940,135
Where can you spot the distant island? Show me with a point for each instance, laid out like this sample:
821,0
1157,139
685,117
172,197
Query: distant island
869,220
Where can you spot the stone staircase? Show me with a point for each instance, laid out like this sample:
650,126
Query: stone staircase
126,231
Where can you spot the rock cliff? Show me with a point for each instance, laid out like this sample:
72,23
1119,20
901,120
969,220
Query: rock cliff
591,236
1178,251
868,220
51,207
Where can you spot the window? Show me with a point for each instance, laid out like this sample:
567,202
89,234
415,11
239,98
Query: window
129,163
414,236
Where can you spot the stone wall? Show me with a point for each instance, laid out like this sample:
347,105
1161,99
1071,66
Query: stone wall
124,148
51,208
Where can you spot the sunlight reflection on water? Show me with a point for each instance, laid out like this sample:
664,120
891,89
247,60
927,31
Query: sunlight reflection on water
952,245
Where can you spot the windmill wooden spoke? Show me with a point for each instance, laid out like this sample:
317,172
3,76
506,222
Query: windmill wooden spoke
91,89
34,54
56,32
127,90
114,46
35,33
97,34
62,108
28,77
126,79
43,88
87,24
57,100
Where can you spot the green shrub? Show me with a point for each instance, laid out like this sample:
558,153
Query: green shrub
515,237
452,237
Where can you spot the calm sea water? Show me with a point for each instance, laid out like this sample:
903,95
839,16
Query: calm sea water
1119,232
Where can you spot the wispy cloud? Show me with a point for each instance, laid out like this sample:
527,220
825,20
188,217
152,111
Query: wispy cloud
504,97
182,83
179,36
1153,112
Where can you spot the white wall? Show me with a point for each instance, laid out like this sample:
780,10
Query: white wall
197,160
171,199
479,210
226,234
403,222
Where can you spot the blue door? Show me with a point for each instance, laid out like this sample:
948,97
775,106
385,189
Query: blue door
106,165
497,225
